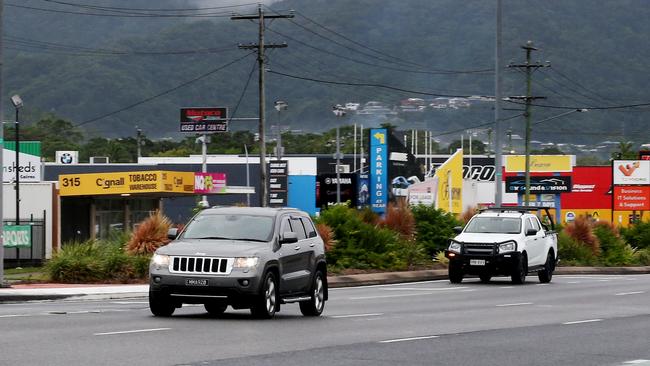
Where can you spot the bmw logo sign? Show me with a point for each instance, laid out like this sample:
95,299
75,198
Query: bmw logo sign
66,158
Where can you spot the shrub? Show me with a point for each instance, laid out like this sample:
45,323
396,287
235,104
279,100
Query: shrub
573,252
440,260
643,256
581,230
399,218
614,251
638,235
149,235
408,255
433,228
327,234
75,262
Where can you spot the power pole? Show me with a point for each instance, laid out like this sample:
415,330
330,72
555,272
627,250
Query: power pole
2,248
528,98
260,46
138,140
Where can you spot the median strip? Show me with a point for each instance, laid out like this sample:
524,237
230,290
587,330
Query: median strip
133,331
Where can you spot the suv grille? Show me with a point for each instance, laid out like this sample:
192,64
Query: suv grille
478,248
201,265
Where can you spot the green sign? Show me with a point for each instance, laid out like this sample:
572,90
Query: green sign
17,236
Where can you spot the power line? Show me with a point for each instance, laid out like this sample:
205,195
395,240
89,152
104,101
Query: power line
624,106
375,57
164,92
243,92
475,126
118,14
372,85
91,6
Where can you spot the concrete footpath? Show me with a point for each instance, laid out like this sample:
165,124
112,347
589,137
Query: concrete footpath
55,291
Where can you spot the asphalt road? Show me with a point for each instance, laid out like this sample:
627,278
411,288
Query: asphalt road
575,320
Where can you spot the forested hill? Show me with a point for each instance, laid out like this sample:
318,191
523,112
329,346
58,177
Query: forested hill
108,65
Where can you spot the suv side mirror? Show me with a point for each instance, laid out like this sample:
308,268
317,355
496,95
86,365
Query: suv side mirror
531,232
172,233
458,229
288,237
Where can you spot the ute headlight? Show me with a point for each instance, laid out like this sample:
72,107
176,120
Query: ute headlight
454,247
160,260
510,246
245,262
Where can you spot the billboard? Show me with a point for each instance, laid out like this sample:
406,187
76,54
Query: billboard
628,198
631,172
450,184
205,183
590,189
378,169
29,161
539,184
204,119
153,181
539,163
326,189
278,183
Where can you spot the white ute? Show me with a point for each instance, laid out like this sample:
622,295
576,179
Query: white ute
510,241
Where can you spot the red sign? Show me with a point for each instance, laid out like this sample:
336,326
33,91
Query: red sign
631,198
211,119
591,185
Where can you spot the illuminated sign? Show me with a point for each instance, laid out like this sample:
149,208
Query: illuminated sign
210,119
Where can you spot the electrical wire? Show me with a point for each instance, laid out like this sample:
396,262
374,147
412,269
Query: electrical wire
213,71
92,6
122,14
243,92
475,126
372,85
624,106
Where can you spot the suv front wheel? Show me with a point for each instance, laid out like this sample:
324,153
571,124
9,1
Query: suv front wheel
160,304
265,305
316,303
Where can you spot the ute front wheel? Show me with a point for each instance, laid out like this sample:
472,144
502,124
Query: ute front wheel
546,274
520,270
456,272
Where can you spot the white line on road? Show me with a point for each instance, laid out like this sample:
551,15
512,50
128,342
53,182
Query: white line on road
408,339
583,321
630,293
431,292
636,362
515,304
14,315
133,331
356,315
573,282
424,289
507,287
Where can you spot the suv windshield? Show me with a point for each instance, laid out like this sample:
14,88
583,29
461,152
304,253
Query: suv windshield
497,225
232,227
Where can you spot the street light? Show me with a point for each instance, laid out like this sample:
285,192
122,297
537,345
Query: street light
280,105
18,104
338,111
527,148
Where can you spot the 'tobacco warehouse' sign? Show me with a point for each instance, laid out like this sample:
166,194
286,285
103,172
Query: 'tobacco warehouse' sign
126,183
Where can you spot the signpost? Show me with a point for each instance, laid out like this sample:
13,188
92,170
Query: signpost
278,183
17,236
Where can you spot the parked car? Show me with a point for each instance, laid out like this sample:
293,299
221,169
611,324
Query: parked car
508,241
243,257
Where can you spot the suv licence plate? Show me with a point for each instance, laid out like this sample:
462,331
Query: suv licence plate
196,282
477,262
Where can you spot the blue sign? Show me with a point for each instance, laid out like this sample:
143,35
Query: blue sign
378,169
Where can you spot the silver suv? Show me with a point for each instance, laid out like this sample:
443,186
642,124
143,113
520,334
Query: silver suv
243,257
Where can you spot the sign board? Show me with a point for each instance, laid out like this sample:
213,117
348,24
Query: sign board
29,164
326,191
205,183
17,236
632,172
539,185
278,183
539,163
378,169
67,157
450,184
204,119
423,193
632,198
154,181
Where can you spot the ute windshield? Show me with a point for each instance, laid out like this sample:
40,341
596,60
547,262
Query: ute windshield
494,225
230,227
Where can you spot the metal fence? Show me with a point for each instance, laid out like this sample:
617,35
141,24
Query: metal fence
34,255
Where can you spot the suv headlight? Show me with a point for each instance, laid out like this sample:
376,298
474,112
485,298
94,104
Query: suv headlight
454,247
245,262
509,246
160,261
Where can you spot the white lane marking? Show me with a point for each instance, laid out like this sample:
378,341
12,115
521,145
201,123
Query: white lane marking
636,362
507,287
603,280
542,284
408,339
515,304
387,285
356,315
424,289
630,293
133,331
583,321
129,302
431,292
572,282
14,315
